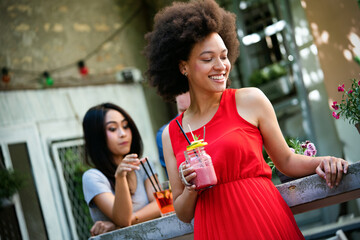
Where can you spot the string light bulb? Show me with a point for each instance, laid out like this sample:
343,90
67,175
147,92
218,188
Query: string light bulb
5,75
82,68
48,79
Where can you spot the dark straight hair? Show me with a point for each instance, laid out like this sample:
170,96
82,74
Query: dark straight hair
97,154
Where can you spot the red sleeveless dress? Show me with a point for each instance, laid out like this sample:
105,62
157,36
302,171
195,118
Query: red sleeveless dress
244,204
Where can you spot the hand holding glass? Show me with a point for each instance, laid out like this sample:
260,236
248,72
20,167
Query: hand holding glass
201,162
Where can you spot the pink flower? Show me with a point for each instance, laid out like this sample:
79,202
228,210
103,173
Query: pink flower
359,82
341,88
311,147
293,150
350,91
336,116
335,106
308,153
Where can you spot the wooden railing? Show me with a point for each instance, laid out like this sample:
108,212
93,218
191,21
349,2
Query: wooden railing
302,195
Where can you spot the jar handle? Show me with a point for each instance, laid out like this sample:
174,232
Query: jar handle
182,175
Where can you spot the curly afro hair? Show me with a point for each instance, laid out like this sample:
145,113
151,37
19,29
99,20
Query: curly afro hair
176,30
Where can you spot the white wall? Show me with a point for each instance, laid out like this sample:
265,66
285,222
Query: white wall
67,106
327,140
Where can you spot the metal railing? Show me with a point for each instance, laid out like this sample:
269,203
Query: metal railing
69,162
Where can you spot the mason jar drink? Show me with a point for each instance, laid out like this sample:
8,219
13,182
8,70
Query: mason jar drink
201,162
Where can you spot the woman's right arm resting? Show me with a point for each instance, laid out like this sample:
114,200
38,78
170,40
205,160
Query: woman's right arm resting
184,199
117,208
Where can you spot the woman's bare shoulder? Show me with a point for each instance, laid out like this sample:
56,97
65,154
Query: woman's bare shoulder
249,95
253,105
166,136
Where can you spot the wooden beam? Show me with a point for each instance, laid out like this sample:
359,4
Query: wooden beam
344,197
309,193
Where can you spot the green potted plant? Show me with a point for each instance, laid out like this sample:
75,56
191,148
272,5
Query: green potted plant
273,80
349,107
10,183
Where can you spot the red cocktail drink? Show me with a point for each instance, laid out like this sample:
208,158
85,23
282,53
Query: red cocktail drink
164,200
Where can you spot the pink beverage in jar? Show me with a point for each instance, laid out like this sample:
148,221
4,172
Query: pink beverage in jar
205,177
201,162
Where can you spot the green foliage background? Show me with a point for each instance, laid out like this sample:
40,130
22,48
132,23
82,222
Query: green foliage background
10,182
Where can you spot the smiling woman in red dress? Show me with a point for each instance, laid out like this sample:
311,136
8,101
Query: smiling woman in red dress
191,49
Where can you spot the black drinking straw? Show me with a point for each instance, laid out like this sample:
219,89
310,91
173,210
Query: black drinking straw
149,177
187,139
182,130
153,173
